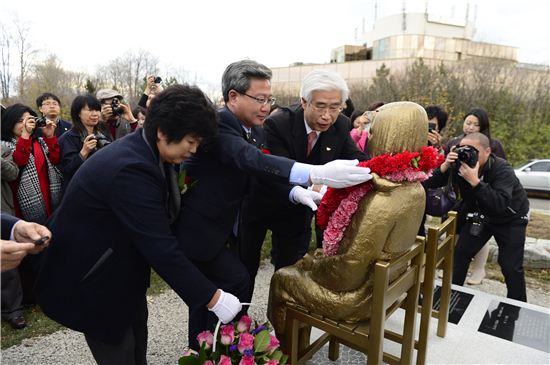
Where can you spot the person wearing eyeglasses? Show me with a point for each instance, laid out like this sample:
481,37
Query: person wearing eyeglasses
222,170
49,106
315,132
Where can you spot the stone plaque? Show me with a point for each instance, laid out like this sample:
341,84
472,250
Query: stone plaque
459,302
520,325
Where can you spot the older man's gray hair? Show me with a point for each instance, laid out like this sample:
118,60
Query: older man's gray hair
323,80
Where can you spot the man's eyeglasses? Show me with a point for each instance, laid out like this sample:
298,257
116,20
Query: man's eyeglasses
332,109
50,103
262,101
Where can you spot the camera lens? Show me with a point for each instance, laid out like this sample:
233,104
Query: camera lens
158,80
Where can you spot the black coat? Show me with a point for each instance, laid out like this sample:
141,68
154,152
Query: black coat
499,196
111,227
8,222
286,136
222,170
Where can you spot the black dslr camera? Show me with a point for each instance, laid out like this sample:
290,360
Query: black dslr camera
158,80
478,222
40,122
467,154
102,141
115,106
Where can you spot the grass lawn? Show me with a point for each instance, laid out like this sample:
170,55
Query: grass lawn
39,325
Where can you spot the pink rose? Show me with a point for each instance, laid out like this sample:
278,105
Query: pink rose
272,362
247,360
224,360
227,334
244,324
206,337
246,342
273,343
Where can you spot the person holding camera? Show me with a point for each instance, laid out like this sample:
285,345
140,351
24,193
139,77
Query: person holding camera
117,118
494,204
36,151
84,138
50,106
477,120
152,88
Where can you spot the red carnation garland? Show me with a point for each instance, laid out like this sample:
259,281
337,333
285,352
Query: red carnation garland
339,205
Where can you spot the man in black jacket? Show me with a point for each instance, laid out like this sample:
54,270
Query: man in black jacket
315,132
495,204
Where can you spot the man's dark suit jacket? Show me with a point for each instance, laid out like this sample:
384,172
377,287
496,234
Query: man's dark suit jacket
285,134
111,227
8,222
221,170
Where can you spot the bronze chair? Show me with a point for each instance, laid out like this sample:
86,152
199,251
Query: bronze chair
439,251
366,336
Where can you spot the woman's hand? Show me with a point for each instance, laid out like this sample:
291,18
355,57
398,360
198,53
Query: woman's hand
435,138
90,143
29,124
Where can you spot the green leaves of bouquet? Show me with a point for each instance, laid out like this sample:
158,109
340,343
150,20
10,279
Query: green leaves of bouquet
237,344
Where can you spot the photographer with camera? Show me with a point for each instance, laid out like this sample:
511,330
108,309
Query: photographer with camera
84,138
152,88
494,204
50,106
477,120
117,119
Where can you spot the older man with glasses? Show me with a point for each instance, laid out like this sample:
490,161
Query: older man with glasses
314,132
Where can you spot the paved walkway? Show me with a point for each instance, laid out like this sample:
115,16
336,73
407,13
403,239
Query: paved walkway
168,334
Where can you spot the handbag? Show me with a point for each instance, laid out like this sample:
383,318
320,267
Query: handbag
439,201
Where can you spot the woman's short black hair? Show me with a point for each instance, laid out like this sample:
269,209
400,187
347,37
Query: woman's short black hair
180,110
435,111
483,119
78,104
11,116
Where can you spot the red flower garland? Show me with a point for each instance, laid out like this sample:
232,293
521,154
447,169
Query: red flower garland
405,166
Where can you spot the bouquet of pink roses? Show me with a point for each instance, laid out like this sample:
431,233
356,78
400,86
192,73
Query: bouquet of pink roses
237,343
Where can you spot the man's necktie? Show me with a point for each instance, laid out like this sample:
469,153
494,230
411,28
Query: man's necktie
311,137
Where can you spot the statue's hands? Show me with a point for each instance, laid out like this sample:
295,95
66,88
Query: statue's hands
307,262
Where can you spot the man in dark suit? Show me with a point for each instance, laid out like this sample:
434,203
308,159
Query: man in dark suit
314,132
222,170
18,237
113,225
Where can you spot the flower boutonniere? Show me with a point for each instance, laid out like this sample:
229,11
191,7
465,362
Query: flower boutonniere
264,149
184,182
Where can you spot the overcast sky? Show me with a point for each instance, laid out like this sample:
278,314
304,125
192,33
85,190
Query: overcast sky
203,37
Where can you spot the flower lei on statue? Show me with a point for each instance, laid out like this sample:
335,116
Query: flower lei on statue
339,205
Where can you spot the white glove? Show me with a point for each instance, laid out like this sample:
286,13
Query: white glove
227,307
306,197
339,174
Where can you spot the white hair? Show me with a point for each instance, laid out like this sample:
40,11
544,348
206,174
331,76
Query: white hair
323,80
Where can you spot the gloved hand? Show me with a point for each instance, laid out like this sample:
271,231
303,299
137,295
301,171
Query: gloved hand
227,307
339,174
306,197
